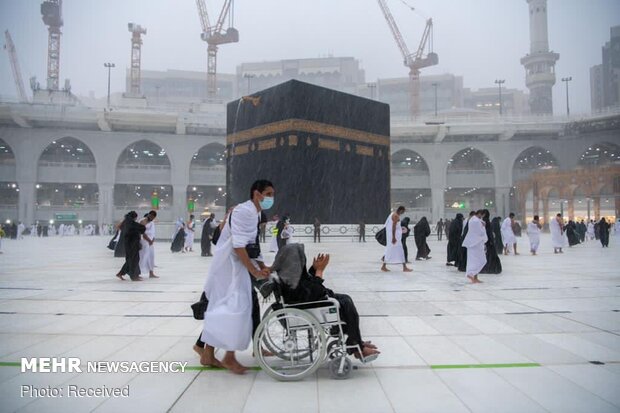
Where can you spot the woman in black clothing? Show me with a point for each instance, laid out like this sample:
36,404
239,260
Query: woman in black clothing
179,239
494,264
454,239
603,232
300,285
406,232
496,226
132,232
571,233
421,230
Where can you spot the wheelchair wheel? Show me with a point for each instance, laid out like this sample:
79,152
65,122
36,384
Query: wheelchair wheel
340,367
300,342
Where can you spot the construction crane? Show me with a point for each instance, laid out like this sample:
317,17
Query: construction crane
51,10
17,74
214,36
414,61
136,52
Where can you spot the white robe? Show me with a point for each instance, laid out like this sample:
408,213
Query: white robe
474,242
147,252
508,236
394,253
534,233
228,319
189,234
557,234
590,231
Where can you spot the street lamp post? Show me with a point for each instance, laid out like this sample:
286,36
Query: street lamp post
248,77
566,80
435,86
109,66
372,87
499,83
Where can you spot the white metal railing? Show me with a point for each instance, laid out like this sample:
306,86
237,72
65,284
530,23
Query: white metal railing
67,207
67,164
137,166
470,171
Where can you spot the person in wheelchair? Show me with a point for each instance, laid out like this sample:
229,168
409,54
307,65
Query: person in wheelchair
298,285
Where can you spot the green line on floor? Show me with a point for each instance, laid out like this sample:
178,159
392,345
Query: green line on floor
10,364
481,366
201,368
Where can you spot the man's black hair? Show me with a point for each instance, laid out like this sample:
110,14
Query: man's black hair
260,186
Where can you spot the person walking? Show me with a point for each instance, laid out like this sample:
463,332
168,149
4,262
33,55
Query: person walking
557,234
533,231
603,229
394,252
421,231
132,232
206,235
147,247
362,232
228,321
317,230
439,229
508,235
190,228
475,241
406,231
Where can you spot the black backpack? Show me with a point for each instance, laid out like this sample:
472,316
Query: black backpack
216,235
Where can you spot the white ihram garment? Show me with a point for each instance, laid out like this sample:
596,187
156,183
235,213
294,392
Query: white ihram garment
508,236
394,253
590,231
189,235
228,319
534,233
557,234
147,252
474,242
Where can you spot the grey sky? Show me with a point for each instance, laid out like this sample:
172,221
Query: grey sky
481,40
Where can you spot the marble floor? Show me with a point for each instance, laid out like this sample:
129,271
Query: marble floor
544,336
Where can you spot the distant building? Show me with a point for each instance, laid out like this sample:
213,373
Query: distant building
605,78
339,73
514,101
178,88
397,93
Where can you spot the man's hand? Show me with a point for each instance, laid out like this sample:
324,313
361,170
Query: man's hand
320,262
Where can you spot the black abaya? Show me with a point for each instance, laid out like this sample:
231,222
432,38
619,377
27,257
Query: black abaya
497,233
132,233
454,239
571,234
119,249
205,238
178,241
494,264
421,231
603,228
462,258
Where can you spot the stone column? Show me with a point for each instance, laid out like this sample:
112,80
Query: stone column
535,205
597,208
179,201
437,204
502,199
27,202
105,214
545,210
571,208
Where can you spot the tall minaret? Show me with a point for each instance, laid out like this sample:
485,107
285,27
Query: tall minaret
540,62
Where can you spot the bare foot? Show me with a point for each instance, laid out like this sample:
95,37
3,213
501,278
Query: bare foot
199,350
120,277
209,361
407,269
153,276
368,344
138,278
384,269
233,365
474,279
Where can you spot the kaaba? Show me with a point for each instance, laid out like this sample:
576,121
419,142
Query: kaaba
326,152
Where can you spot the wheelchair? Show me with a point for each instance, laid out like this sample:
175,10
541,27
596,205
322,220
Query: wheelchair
294,340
